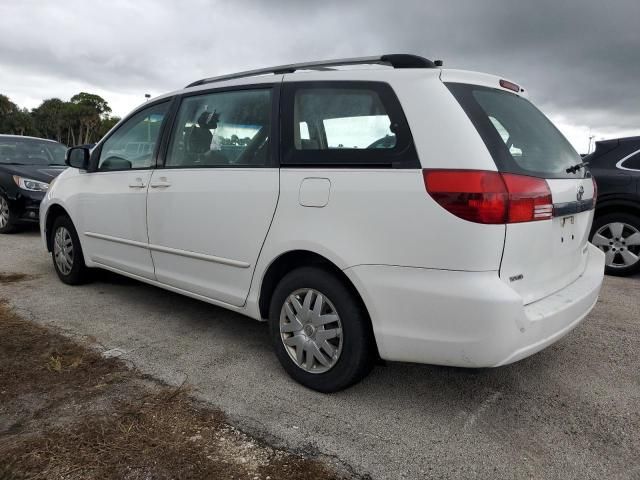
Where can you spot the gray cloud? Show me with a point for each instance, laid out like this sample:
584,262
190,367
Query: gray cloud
579,59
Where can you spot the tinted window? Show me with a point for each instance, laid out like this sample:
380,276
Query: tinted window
331,118
344,124
632,162
133,144
29,151
520,138
222,129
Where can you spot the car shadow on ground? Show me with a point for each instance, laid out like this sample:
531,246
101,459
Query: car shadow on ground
250,338
244,338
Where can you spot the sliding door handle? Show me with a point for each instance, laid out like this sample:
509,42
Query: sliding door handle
137,183
161,183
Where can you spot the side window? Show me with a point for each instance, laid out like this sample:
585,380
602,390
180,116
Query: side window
132,145
333,118
632,162
338,124
231,128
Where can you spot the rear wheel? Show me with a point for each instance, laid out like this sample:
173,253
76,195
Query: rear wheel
618,236
320,332
66,252
6,216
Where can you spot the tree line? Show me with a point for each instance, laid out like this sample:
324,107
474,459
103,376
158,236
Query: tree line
85,118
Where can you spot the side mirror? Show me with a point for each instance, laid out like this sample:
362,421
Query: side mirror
78,157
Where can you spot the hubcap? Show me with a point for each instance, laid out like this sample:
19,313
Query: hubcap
620,243
63,250
311,330
4,212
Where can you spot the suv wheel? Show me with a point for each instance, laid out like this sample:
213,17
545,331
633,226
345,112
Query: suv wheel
618,236
319,330
6,217
66,252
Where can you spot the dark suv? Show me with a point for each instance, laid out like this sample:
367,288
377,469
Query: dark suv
27,166
615,164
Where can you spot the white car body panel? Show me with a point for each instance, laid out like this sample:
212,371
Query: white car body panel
110,215
469,319
559,253
368,223
230,209
437,288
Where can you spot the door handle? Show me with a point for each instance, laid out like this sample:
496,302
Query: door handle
162,183
138,183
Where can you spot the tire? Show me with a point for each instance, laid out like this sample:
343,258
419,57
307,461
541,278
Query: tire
354,348
7,217
605,234
70,268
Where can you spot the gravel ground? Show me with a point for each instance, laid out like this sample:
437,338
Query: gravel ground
569,412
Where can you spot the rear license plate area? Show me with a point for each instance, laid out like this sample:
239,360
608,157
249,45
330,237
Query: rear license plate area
568,238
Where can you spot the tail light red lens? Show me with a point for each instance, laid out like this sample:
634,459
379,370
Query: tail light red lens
490,197
510,85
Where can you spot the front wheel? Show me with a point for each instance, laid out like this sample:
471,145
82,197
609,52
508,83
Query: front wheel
320,331
66,252
6,216
618,236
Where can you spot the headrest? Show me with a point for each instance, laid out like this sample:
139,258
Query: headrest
209,119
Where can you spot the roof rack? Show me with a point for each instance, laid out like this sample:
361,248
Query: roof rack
398,60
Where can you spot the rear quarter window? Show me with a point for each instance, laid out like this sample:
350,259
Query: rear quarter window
520,138
345,124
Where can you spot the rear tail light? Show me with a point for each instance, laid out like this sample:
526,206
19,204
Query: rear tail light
490,197
595,191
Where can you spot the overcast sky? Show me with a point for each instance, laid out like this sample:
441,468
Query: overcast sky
579,60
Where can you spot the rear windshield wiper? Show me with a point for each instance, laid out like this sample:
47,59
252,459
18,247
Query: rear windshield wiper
576,167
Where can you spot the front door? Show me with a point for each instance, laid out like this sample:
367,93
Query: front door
113,208
210,208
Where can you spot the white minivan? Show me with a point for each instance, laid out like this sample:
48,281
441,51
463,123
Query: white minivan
396,210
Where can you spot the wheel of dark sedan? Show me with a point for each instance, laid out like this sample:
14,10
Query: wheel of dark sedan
618,236
6,216
66,252
320,331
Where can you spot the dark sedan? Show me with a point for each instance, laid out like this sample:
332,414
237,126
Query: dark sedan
27,166
615,164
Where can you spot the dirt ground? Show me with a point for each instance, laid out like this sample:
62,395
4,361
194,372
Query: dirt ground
67,412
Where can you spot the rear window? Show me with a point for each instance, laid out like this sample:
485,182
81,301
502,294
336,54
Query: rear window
519,137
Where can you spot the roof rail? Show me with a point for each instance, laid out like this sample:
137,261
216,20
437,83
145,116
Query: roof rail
397,60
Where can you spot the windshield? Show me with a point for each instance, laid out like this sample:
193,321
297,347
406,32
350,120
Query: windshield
28,151
518,136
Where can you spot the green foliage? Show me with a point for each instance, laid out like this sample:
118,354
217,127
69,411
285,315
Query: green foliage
95,102
13,119
85,118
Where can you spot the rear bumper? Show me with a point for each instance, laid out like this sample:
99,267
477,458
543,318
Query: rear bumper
468,319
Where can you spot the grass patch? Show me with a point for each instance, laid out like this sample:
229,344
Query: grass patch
67,412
